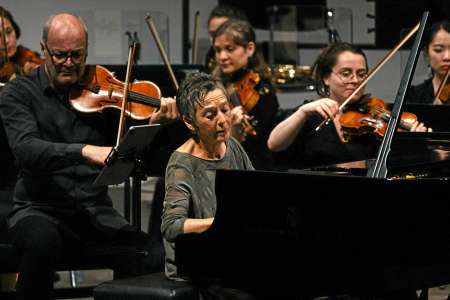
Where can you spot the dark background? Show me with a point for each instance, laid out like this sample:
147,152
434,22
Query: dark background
391,16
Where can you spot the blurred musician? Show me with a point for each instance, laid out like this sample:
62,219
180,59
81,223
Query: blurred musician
190,200
16,59
9,171
436,48
338,70
245,75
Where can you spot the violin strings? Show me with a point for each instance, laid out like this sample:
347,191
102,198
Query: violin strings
385,115
144,98
138,97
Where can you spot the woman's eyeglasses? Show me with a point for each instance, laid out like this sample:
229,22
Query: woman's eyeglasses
347,75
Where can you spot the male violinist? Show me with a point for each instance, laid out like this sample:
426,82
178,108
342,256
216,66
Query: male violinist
57,209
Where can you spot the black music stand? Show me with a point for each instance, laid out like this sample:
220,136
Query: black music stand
125,161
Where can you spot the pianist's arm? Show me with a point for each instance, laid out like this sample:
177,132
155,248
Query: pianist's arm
178,209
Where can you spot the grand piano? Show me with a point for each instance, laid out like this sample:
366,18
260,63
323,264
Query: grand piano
332,231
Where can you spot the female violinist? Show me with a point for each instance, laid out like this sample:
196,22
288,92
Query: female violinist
247,79
219,15
437,52
16,59
338,71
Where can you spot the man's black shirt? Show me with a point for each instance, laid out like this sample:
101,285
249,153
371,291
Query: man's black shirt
46,136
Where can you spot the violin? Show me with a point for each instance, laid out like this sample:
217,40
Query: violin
370,116
443,92
99,89
243,92
444,96
24,61
245,88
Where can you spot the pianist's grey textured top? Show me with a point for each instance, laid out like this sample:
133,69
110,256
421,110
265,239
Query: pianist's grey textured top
190,193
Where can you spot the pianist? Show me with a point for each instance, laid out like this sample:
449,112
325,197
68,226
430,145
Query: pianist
190,201
338,70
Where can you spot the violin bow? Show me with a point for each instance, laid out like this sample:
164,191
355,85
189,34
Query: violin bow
151,26
441,86
131,51
373,72
195,39
5,48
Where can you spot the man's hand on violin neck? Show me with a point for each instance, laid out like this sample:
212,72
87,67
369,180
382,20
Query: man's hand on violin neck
95,154
166,113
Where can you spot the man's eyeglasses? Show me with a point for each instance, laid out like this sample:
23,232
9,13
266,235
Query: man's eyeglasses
61,57
347,75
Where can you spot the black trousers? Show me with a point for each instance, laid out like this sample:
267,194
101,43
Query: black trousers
6,202
44,245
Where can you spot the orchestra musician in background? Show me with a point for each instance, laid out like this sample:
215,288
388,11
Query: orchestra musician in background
436,49
8,174
190,200
219,15
247,78
9,66
16,59
10,56
57,209
338,70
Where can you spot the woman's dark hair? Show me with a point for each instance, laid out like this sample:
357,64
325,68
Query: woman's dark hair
192,93
431,33
327,59
6,14
242,33
227,11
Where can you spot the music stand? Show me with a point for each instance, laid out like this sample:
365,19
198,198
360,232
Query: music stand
124,161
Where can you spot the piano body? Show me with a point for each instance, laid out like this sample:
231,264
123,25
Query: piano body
316,232
304,234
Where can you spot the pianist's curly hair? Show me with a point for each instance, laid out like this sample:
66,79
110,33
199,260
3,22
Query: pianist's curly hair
327,59
192,93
